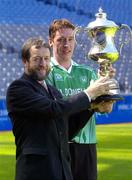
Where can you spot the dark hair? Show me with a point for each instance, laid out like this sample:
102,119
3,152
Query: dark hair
59,24
37,42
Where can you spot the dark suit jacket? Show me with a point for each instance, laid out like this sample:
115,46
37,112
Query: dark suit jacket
40,125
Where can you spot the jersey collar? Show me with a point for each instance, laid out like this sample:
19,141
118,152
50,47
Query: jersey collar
55,63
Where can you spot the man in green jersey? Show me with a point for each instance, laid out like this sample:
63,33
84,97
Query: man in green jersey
71,78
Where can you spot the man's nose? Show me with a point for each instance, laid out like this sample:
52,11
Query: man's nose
42,62
66,43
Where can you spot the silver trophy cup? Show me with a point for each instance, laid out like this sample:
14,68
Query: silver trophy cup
102,32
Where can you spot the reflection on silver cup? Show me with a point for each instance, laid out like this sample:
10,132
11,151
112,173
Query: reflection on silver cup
112,57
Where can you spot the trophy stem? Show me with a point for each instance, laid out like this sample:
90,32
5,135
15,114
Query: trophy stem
104,66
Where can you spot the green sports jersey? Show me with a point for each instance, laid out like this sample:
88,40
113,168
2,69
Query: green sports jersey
70,83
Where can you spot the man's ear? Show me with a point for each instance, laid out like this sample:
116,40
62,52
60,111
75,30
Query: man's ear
24,61
50,42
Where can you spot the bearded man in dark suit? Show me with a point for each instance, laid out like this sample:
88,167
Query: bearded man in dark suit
40,117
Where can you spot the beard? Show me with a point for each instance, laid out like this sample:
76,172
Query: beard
37,75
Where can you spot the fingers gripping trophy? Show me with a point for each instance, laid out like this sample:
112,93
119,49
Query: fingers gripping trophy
103,51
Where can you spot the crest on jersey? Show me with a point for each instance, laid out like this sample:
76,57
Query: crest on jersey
83,79
58,77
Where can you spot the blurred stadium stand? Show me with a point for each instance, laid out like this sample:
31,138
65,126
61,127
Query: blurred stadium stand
21,19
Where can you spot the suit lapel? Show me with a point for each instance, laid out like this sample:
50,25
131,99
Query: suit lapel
50,90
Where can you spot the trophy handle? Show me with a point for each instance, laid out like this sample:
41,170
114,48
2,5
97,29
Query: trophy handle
123,26
78,29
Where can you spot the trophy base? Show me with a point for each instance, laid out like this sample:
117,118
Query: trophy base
115,97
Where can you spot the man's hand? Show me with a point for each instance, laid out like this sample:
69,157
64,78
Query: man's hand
103,107
102,86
